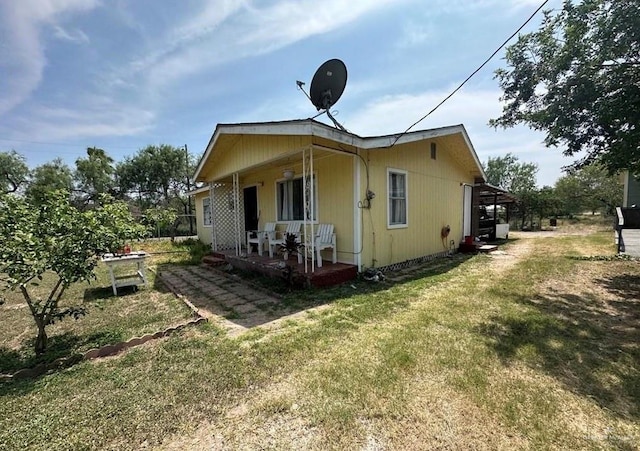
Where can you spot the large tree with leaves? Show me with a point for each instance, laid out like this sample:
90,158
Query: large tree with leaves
47,178
14,170
577,78
518,178
94,176
158,172
590,189
52,237
510,174
158,177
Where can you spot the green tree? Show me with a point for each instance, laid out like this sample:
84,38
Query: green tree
577,78
568,191
131,183
545,203
509,174
53,236
591,189
94,175
158,172
15,172
160,218
49,177
515,177
158,177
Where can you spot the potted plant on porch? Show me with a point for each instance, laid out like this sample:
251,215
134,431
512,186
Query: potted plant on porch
291,247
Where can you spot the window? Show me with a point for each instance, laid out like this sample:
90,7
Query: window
397,192
290,199
206,211
433,151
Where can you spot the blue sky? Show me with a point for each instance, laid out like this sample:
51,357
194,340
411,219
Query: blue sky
122,74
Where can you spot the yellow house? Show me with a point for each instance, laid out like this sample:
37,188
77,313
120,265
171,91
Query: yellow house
393,200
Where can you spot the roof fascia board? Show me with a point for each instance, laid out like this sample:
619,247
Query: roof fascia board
315,128
473,153
207,152
198,191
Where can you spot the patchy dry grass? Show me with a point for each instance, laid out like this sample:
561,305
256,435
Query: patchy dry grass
538,351
163,250
109,319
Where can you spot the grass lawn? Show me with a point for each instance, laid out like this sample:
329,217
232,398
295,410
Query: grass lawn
532,349
109,319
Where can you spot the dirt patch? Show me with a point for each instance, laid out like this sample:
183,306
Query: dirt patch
503,260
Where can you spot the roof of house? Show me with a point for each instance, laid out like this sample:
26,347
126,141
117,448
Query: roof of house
310,127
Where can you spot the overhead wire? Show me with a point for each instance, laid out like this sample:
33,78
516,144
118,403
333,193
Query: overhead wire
472,74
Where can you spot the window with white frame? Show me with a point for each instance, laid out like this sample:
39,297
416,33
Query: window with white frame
206,211
397,193
290,199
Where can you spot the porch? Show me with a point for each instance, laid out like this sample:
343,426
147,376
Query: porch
327,275
309,189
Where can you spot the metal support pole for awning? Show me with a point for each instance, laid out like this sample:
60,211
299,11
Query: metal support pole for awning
214,244
236,212
308,190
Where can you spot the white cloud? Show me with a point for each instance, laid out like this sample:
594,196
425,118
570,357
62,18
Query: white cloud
473,109
454,6
390,114
75,36
97,117
23,58
239,30
415,33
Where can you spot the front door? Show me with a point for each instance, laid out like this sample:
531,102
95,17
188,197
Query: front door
250,208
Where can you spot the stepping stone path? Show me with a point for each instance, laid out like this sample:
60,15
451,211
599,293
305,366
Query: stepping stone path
224,301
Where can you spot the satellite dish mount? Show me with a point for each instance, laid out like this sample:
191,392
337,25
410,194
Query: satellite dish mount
327,86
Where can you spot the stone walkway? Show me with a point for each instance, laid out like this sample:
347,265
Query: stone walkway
237,307
232,305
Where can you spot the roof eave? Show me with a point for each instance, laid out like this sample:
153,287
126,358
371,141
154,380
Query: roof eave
311,127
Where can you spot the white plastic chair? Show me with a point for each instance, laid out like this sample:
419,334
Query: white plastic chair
293,227
260,237
325,239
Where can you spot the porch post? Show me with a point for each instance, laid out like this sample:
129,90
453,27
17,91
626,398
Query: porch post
357,214
214,245
308,192
236,212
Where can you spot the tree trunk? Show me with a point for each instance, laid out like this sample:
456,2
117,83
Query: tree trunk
41,339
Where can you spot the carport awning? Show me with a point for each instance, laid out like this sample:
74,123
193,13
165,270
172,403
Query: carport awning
492,194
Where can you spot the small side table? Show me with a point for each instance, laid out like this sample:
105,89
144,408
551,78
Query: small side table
134,279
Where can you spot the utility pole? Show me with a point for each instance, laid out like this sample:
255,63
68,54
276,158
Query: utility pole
186,152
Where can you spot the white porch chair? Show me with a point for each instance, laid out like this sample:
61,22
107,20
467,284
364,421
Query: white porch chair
324,239
278,238
261,237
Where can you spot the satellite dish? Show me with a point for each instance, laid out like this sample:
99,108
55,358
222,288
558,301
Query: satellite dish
328,84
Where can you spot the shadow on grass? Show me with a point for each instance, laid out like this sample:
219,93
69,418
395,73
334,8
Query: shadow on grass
241,296
103,294
588,344
58,346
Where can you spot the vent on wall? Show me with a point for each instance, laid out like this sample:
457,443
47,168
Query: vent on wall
433,151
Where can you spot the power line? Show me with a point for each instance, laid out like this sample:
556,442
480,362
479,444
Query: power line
472,74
